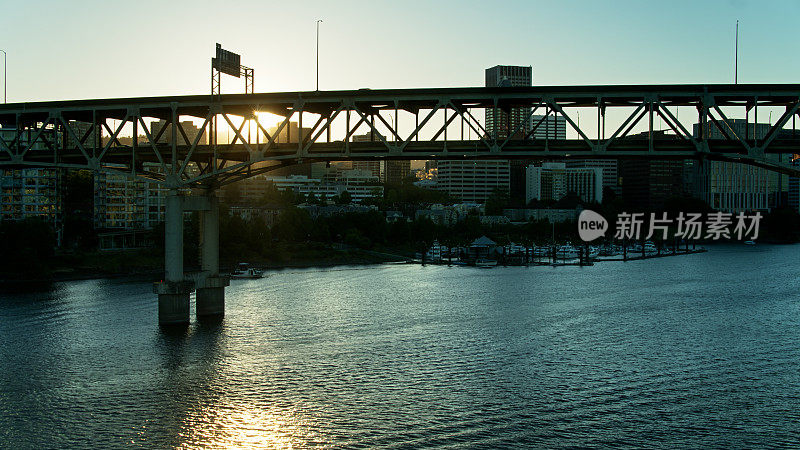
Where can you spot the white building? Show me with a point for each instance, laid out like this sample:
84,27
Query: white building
360,184
552,127
473,180
552,181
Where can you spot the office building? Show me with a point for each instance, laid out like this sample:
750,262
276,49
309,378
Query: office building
552,127
646,184
516,123
553,181
360,184
371,166
737,187
473,180
793,200
396,171
607,166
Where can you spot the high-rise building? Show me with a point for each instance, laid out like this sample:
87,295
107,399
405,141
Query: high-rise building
27,193
734,187
189,128
396,171
373,166
126,203
81,130
553,181
517,121
473,181
607,166
553,127
794,189
648,183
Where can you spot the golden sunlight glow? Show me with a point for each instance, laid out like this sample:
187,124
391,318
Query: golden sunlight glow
244,426
268,120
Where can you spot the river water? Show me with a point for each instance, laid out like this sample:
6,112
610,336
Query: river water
692,350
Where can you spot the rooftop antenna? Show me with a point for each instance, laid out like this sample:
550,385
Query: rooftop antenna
736,57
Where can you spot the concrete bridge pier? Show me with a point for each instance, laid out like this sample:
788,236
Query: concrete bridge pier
173,292
211,290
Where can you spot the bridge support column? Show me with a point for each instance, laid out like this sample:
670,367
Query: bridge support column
173,292
211,292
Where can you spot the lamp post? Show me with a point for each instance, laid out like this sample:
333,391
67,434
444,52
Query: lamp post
5,71
736,57
318,22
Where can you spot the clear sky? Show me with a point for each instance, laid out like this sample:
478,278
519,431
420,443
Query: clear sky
102,48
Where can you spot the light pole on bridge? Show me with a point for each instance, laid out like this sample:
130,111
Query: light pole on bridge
736,57
318,22
5,81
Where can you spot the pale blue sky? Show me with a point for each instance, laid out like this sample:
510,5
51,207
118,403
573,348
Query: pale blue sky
92,49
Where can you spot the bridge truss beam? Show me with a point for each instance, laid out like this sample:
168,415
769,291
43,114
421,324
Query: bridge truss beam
91,134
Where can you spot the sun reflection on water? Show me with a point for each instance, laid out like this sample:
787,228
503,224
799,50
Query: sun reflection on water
245,426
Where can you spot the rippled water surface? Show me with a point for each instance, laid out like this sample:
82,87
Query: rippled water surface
682,351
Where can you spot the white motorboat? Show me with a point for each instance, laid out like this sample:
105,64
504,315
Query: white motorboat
244,271
567,251
541,251
435,253
485,263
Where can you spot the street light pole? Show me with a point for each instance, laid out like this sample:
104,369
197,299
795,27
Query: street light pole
736,57
5,71
318,22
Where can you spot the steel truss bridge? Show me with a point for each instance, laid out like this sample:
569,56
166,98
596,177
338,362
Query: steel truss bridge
88,134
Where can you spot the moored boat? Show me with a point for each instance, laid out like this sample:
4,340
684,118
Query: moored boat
244,271
485,263
567,251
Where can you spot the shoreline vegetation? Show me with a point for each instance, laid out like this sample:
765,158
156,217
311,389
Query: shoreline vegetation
147,264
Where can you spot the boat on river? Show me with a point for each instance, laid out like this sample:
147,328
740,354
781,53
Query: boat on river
244,271
485,263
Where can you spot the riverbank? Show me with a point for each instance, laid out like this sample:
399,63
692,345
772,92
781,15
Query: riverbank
147,264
